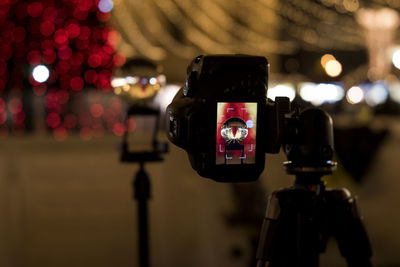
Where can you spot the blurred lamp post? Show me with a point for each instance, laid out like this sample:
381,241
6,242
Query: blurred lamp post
380,28
137,83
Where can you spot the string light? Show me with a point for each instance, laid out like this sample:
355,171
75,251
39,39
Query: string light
220,26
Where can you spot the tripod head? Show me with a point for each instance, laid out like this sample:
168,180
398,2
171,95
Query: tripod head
308,143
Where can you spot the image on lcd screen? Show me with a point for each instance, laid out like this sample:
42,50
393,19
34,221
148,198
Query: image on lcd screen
236,133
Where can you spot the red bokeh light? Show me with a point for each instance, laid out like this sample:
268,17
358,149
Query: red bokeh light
108,49
91,76
61,36
73,30
47,28
35,9
119,129
70,121
104,80
119,60
77,83
85,5
105,59
15,105
96,110
53,120
113,38
50,14
94,60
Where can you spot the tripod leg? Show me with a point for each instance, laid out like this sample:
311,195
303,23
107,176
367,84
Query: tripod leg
268,231
289,235
350,232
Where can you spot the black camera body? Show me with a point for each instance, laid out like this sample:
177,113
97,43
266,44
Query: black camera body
223,119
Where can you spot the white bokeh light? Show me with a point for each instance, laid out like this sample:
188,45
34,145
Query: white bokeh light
40,73
376,95
307,91
105,5
318,94
333,68
153,81
281,90
396,58
354,95
118,82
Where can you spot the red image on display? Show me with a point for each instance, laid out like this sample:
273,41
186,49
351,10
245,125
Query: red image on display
236,133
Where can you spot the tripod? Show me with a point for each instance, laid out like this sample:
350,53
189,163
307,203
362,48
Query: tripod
300,219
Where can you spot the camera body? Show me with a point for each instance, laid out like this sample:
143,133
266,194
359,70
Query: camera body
223,119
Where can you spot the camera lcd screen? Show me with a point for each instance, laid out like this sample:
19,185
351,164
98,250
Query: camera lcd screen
236,133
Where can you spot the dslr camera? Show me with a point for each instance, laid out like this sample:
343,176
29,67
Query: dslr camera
223,119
